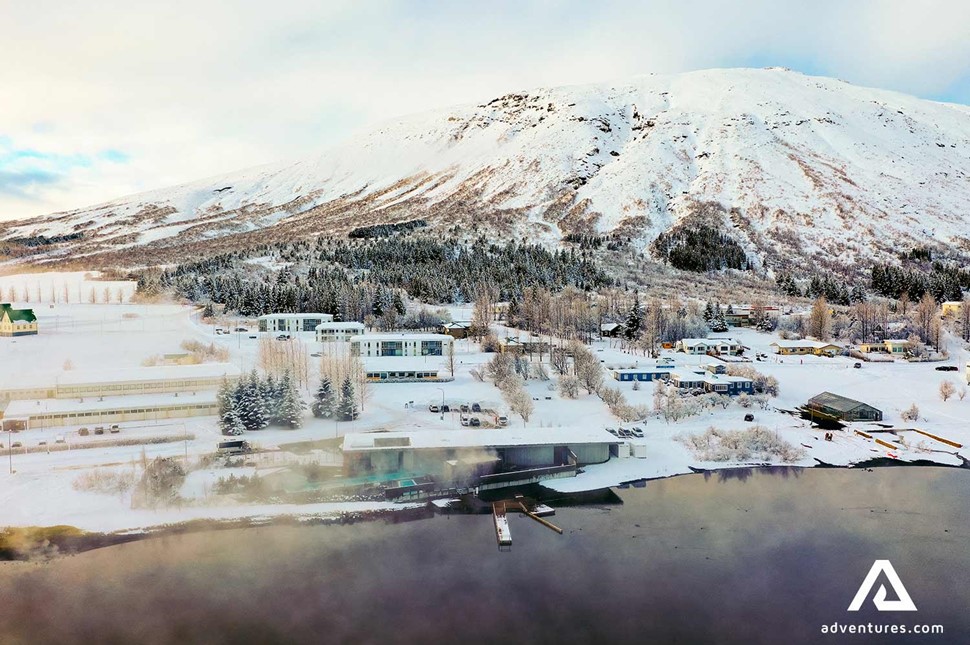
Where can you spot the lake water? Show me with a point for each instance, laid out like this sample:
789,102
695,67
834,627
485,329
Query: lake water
756,556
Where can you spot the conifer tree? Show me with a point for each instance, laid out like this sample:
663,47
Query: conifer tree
291,404
347,409
634,319
325,400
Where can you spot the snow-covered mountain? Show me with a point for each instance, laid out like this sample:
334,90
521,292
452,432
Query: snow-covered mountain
796,168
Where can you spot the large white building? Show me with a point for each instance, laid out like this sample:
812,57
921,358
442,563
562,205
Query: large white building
334,332
400,345
292,323
52,413
80,384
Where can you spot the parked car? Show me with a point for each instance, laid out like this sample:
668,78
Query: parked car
16,444
41,443
857,366
476,407
433,407
99,430
464,420
464,407
241,329
947,368
316,355
502,420
83,432
624,433
446,408
114,429
474,421
637,432
749,417
253,336
283,337
59,438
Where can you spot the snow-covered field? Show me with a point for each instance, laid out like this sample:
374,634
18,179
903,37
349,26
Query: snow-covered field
41,491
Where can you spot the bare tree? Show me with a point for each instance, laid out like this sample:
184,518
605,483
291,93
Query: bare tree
820,319
568,386
965,318
924,315
451,358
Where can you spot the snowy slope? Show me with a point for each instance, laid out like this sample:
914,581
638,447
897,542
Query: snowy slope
795,166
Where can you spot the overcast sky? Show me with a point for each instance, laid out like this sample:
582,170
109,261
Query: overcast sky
102,99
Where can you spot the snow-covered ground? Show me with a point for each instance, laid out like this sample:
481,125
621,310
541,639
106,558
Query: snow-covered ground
41,491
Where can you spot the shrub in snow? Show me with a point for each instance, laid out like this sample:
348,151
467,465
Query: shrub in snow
160,483
755,443
910,414
947,390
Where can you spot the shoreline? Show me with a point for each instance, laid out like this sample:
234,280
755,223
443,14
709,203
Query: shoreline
51,542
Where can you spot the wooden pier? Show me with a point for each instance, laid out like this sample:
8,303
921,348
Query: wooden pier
503,533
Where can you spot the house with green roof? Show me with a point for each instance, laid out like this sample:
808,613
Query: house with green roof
17,322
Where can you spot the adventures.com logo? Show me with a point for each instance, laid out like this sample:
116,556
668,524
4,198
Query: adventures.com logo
880,599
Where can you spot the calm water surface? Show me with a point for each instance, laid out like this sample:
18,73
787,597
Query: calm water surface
744,557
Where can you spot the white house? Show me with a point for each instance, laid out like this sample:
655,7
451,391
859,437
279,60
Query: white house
400,345
693,345
332,332
292,323
701,346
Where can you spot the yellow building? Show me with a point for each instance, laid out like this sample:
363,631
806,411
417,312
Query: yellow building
952,308
17,322
803,347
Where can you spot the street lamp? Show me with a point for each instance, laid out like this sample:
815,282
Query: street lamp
442,408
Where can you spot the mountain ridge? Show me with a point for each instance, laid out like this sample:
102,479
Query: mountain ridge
800,170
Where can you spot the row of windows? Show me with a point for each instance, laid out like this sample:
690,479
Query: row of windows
80,415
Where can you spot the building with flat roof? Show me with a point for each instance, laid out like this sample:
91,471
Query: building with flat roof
52,413
77,384
292,323
17,322
338,332
429,452
374,345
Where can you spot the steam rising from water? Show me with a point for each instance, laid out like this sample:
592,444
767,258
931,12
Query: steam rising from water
690,560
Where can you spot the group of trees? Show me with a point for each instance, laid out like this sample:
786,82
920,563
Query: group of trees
942,281
356,278
506,373
699,247
343,389
255,403
647,327
331,404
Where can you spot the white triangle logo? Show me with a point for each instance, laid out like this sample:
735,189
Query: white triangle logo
905,603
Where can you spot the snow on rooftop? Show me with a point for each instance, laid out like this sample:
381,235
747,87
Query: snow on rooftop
340,325
156,373
125,374
294,316
31,407
430,439
792,344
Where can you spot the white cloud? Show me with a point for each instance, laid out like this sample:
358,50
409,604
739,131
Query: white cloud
192,89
